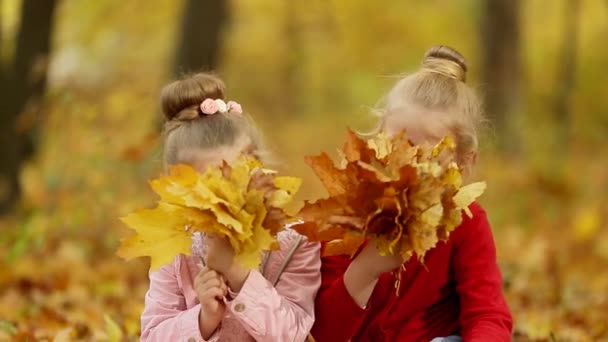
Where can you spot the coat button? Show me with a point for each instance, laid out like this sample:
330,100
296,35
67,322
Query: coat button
239,307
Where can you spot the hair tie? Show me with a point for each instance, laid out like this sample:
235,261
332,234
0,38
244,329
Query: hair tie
211,106
444,67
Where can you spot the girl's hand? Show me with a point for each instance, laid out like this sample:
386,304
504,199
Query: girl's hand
220,257
362,274
374,264
210,289
369,259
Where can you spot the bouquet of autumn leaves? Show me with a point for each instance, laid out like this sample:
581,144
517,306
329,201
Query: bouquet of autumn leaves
405,197
243,203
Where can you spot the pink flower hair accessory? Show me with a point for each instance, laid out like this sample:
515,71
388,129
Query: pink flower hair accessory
211,106
235,107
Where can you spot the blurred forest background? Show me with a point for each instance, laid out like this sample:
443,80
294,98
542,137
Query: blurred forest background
79,135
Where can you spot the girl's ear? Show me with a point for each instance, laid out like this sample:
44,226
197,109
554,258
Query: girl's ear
468,162
250,150
471,158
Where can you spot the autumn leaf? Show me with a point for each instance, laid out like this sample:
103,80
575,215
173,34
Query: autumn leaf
233,202
162,232
467,194
408,197
328,174
286,187
113,331
349,244
380,145
356,149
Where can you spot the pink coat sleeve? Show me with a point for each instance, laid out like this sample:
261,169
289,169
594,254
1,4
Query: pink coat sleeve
284,312
165,316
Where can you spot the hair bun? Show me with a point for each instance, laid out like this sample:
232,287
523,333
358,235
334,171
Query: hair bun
180,99
444,60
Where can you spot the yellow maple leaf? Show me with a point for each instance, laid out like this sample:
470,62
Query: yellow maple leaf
162,232
445,144
432,216
248,252
113,331
286,188
452,175
223,200
381,144
422,237
467,194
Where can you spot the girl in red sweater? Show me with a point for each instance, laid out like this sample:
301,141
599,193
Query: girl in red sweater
457,293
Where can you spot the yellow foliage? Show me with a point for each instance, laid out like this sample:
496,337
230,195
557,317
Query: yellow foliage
230,201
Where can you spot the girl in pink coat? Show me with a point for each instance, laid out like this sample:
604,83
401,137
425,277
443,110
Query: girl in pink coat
224,301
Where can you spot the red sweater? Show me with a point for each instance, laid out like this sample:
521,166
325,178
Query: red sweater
458,291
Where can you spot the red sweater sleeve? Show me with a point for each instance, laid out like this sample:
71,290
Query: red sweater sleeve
484,314
338,316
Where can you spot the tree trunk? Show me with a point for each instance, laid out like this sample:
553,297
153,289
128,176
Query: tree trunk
200,36
290,76
566,72
1,61
23,83
501,67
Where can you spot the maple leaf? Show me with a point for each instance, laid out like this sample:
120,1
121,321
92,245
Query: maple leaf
243,203
286,187
467,194
331,177
403,196
380,145
162,232
349,244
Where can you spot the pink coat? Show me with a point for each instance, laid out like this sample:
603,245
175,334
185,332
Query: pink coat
259,312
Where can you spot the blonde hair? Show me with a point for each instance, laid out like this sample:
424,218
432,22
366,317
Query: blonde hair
439,86
186,127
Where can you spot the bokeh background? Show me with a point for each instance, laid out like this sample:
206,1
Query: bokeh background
79,135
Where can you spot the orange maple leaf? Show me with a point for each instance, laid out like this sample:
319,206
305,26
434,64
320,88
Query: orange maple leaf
406,197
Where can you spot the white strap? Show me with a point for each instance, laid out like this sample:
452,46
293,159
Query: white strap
288,257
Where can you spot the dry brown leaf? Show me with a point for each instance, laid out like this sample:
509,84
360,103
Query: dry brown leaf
407,197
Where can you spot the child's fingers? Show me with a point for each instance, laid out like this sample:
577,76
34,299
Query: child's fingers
201,276
202,268
224,288
205,275
211,283
205,283
214,293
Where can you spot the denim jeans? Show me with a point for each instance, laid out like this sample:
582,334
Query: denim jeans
452,338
